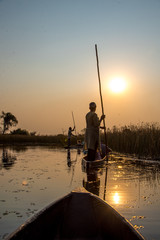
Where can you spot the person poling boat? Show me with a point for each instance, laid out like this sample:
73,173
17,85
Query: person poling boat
70,134
92,142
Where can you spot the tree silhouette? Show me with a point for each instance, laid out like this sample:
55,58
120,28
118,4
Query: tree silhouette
20,131
9,120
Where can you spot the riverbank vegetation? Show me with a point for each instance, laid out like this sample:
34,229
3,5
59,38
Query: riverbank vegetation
11,139
141,140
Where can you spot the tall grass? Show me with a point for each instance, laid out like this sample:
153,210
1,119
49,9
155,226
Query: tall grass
142,140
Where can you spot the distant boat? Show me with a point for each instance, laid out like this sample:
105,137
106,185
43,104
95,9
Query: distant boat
78,145
78,215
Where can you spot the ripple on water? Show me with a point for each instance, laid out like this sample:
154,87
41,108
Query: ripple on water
39,177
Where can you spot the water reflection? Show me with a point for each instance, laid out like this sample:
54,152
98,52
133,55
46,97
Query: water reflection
92,182
71,163
79,151
68,158
116,198
7,159
128,169
20,148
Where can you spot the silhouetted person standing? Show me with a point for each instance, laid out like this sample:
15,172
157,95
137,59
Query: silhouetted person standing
92,131
70,134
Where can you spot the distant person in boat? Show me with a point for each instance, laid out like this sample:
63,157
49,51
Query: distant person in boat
92,131
70,134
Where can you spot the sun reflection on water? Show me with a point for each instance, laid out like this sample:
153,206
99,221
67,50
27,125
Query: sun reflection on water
119,167
116,198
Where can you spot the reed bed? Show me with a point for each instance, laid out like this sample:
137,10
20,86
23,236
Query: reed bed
141,140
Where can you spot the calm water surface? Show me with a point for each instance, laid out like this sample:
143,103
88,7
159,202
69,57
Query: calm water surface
33,177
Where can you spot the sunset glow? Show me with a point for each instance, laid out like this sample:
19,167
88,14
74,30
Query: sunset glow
117,85
49,69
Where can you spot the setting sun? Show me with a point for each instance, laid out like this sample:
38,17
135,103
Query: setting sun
117,85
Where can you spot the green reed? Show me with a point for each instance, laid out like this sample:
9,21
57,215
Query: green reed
142,140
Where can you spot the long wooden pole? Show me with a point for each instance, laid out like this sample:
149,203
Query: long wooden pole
105,135
100,91
74,122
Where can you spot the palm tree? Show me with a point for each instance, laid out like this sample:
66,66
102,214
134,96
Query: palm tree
9,120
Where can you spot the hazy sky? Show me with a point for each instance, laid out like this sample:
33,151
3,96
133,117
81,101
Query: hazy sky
48,63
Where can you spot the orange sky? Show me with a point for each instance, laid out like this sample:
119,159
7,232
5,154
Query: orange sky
48,62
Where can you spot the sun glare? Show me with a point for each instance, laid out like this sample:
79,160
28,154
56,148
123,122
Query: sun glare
117,85
116,198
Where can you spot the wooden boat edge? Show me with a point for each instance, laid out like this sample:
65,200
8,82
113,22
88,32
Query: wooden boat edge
97,161
36,215
80,190
84,191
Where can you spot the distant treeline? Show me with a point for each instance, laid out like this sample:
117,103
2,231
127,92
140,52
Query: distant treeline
12,139
141,140
28,139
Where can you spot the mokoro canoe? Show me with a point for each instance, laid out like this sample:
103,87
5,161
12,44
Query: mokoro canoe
95,163
78,215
